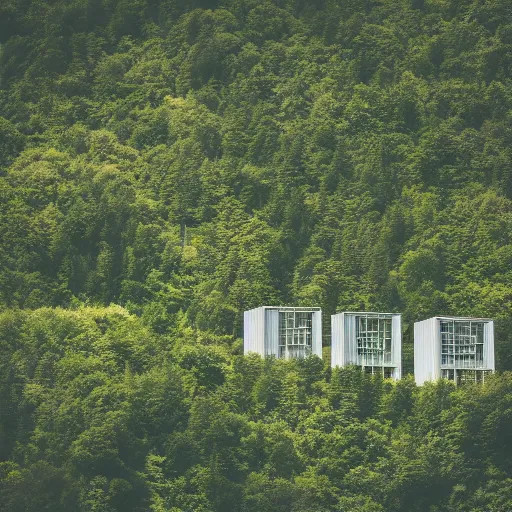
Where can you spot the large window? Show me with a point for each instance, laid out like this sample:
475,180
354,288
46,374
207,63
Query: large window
448,374
462,343
295,333
373,334
463,376
385,371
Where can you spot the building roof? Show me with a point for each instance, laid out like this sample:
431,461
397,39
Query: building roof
367,313
463,318
468,318
289,308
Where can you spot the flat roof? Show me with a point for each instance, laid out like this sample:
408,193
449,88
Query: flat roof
367,313
462,318
303,308
291,308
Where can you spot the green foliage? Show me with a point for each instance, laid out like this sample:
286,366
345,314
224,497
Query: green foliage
188,160
168,156
101,413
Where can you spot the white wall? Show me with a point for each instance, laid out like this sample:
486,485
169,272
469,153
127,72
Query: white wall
317,333
396,345
271,332
337,337
254,331
427,350
489,346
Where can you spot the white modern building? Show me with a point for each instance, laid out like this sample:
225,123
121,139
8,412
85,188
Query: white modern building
283,332
372,341
455,348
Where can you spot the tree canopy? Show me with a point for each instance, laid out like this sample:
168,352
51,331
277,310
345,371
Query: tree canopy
166,165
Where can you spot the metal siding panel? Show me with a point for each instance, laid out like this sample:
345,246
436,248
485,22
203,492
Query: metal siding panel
422,360
342,339
350,340
421,351
436,348
489,346
345,340
344,348
396,345
258,331
316,327
418,372
427,351
253,331
336,340
260,320
339,354
271,332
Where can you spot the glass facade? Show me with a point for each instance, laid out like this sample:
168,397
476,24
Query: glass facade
463,376
448,374
373,335
385,371
295,333
462,344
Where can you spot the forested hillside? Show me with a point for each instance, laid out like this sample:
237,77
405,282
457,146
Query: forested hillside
165,165
99,413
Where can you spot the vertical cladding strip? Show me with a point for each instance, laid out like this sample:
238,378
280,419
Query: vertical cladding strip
422,352
489,346
252,331
254,323
345,339
336,340
418,367
316,327
396,345
436,348
342,339
352,340
260,320
427,350
271,332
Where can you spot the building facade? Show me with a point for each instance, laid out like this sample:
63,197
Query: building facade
372,341
455,348
283,332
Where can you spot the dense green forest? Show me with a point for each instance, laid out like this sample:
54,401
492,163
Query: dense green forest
100,413
167,164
